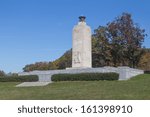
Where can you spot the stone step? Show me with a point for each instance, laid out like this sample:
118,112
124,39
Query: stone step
31,84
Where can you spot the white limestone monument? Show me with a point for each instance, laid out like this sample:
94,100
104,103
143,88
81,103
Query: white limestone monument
81,49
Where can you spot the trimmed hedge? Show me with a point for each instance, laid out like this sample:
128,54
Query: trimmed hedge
29,78
146,72
85,77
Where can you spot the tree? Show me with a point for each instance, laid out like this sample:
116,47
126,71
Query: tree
126,40
100,47
144,62
116,42
65,61
2,73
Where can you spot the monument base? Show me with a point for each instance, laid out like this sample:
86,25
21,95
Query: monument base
125,73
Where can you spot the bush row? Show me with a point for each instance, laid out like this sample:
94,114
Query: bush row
85,77
147,72
30,78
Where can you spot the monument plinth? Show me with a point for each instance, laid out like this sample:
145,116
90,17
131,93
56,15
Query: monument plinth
81,48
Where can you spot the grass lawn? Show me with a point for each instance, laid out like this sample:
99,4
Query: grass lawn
136,88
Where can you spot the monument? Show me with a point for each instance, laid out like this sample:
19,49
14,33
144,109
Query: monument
81,59
81,47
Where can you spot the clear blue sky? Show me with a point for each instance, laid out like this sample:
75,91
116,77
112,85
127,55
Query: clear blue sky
41,30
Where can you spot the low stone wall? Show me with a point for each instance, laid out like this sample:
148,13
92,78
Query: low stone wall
125,73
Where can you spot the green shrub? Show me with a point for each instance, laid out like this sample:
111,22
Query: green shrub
147,72
85,77
29,78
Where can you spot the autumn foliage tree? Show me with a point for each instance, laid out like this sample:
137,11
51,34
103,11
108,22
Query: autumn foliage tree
120,41
126,39
144,62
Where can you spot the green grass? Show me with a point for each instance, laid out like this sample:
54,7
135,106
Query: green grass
136,88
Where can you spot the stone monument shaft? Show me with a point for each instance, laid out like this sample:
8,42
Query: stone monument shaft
81,50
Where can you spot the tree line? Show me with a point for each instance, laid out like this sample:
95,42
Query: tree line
3,74
119,43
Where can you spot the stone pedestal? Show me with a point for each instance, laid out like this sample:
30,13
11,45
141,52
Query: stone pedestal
81,50
125,73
